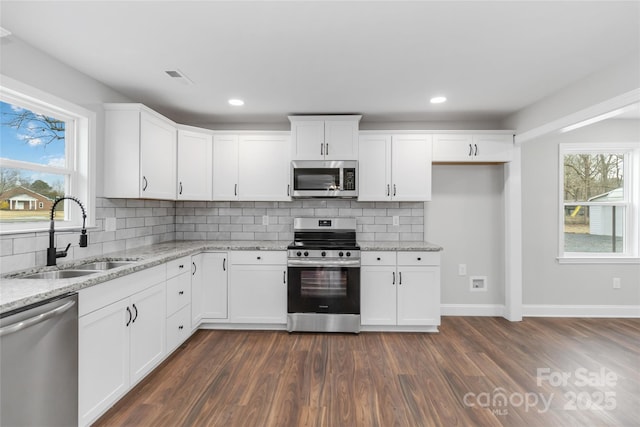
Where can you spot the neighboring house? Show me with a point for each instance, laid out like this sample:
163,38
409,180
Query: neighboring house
601,217
23,199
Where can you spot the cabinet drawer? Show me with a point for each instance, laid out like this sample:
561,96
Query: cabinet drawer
418,258
178,266
378,258
258,257
178,292
178,327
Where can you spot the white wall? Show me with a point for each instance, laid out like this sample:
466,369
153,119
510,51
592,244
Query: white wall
545,282
35,68
466,217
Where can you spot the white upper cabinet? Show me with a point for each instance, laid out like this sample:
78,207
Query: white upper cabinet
324,137
472,148
264,167
251,167
394,167
139,154
195,166
225,167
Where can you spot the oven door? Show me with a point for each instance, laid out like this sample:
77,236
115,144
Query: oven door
323,289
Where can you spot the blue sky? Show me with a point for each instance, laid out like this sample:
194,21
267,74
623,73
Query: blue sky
15,145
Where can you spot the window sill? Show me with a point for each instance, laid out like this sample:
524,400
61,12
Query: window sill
598,260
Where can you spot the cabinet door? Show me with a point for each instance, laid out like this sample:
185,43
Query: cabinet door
341,140
453,148
103,359
157,158
225,167
147,330
195,166
378,295
374,168
418,295
264,167
213,269
258,294
122,153
307,139
411,168
493,148
197,283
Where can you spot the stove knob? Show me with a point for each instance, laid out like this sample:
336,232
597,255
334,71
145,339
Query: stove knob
340,253
348,253
306,253
299,253
323,253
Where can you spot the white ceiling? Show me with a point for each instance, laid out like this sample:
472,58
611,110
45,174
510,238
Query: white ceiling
382,59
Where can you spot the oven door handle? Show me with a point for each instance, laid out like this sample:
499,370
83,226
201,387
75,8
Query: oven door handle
322,263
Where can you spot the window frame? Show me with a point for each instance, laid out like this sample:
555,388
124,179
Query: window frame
631,198
80,163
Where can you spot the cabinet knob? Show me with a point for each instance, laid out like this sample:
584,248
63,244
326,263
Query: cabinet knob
378,258
419,259
259,257
181,266
180,327
181,293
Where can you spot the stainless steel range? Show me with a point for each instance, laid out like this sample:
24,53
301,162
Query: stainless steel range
323,271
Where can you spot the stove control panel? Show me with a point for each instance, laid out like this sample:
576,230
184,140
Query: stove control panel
324,253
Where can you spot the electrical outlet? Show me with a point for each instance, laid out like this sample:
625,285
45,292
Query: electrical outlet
396,220
265,219
462,269
617,283
478,283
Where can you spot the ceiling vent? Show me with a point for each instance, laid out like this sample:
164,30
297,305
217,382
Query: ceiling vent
178,75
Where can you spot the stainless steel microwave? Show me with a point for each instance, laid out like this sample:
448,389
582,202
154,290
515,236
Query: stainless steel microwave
319,178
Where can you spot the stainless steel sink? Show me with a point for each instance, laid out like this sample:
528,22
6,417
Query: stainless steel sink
103,265
58,274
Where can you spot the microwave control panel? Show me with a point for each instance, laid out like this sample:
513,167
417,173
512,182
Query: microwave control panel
349,175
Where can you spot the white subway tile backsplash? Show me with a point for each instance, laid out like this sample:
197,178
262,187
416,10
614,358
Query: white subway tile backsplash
143,222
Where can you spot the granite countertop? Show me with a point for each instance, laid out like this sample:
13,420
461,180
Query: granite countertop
17,293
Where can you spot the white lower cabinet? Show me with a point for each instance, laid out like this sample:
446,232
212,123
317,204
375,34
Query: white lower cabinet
208,287
400,289
120,342
258,287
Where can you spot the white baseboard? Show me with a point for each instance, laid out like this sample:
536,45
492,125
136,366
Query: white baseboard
540,310
487,310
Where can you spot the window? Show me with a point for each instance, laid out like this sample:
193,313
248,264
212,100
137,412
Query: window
599,201
44,154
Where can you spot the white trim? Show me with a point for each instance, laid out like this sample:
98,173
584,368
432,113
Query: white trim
399,328
597,260
485,310
548,310
581,115
513,236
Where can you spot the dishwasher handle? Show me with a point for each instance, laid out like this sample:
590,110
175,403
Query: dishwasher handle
18,326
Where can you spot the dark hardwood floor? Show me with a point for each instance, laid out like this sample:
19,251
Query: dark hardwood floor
477,371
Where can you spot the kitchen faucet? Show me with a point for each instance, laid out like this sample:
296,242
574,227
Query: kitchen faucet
52,254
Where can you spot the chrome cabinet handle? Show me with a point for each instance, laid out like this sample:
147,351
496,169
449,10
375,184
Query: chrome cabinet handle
18,326
130,316
136,309
145,183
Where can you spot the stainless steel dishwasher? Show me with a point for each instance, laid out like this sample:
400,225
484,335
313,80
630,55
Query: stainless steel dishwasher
39,364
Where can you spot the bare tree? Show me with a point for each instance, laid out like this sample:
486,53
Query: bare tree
38,129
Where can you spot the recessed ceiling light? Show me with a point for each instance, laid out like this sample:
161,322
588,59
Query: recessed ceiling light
438,99
236,102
